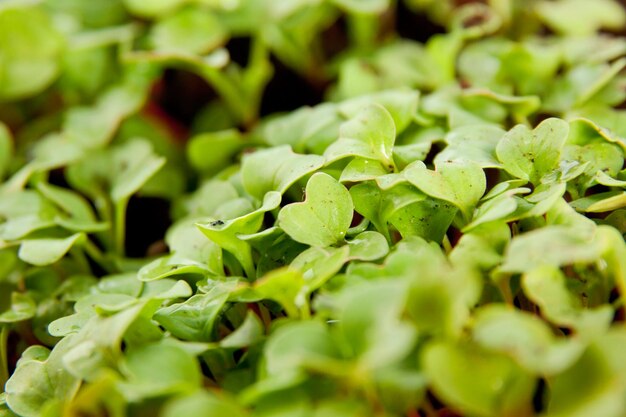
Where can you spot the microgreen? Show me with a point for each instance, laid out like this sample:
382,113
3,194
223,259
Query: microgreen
293,208
323,218
459,183
531,155
370,134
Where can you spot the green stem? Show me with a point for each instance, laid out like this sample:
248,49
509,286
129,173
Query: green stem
81,259
105,213
245,259
120,226
359,228
228,91
4,367
383,228
305,310
504,286
19,179
243,94
521,120
265,315
96,254
255,78
447,246
371,395
363,29
614,257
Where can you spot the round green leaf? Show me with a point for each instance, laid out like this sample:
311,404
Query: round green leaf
368,246
158,369
228,233
532,154
461,183
289,347
153,8
30,49
370,134
526,338
276,169
191,30
551,245
212,151
39,378
201,404
47,250
23,307
477,382
323,218
371,325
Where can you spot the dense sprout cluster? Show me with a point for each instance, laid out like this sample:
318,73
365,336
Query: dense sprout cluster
441,234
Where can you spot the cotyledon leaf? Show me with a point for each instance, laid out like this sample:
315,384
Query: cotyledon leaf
190,30
476,143
368,246
323,218
23,307
546,286
477,381
370,134
31,51
194,318
46,251
276,169
135,162
361,169
461,183
401,104
532,154
551,245
379,205
525,338
226,232
190,253
41,377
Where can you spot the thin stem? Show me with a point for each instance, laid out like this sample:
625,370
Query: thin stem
256,77
228,91
93,251
19,179
305,311
615,256
369,390
266,317
120,226
363,29
242,92
81,259
96,254
105,213
245,259
505,289
359,228
4,366
447,246
521,120
383,228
